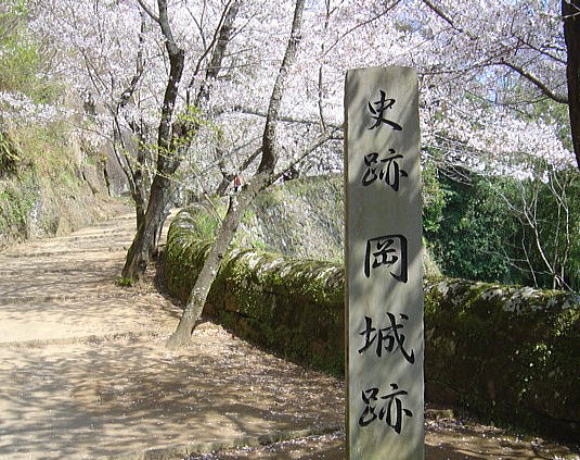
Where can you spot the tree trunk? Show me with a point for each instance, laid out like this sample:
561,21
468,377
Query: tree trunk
262,179
571,15
194,307
143,244
223,186
173,137
139,211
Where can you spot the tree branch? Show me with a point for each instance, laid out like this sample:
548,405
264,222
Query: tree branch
269,156
223,35
148,11
218,31
316,143
535,81
176,63
302,121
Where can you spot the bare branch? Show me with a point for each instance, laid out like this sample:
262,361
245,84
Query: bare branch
362,24
535,81
148,11
302,121
543,51
439,12
315,144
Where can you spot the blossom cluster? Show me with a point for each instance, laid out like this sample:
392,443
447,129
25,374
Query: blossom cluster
471,63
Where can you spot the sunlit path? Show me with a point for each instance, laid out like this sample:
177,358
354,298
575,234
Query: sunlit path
84,372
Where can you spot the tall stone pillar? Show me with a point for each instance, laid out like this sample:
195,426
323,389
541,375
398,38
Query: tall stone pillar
384,263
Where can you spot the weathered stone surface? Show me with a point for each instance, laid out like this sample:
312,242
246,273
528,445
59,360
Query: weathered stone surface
384,265
508,352
304,219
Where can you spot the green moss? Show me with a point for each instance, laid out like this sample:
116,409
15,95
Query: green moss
17,199
124,282
510,349
299,306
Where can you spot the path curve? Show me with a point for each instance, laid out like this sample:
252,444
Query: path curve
84,372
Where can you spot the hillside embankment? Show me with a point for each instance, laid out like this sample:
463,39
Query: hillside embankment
52,183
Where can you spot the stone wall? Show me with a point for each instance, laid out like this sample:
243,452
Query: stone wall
508,352
293,307
504,352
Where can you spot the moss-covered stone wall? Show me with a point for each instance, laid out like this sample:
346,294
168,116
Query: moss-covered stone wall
507,353
510,353
293,307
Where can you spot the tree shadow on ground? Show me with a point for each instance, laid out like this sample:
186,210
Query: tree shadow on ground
116,397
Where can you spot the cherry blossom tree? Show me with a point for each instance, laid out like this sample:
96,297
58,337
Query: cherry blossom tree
155,105
264,176
174,134
571,15
502,59
183,89
482,68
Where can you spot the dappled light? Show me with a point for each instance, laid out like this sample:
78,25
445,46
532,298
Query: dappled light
129,394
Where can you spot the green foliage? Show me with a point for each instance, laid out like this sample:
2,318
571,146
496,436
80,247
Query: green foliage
45,188
124,282
21,61
16,202
206,225
194,116
500,229
473,233
8,156
548,214
434,198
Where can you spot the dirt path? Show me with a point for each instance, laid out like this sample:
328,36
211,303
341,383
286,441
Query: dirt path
84,372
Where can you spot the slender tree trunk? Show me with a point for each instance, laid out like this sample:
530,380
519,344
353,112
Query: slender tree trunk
194,307
571,15
263,177
223,186
139,212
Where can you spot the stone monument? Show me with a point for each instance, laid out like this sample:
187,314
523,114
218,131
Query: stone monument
384,264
